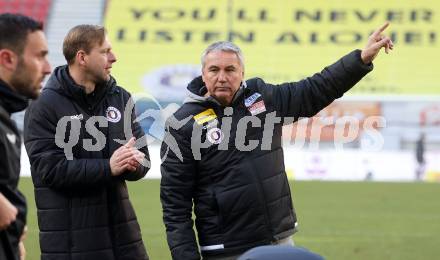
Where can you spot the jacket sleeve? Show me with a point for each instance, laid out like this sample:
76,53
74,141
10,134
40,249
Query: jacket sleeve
139,134
307,97
49,164
176,193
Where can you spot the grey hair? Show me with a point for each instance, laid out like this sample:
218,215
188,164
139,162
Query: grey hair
223,46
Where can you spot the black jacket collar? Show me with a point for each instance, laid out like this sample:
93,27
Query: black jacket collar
11,100
61,82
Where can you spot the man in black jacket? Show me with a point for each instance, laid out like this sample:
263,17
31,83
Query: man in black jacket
76,137
23,66
223,153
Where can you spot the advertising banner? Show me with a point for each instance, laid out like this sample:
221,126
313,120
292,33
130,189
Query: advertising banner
159,43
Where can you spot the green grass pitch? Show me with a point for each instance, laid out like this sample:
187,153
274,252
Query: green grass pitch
339,220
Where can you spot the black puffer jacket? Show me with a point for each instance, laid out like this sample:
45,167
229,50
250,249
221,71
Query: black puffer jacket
241,194
10,150
83,212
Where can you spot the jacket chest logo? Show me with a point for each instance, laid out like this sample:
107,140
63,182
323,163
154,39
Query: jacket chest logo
250,100
205,116
77,117
215,135
257,108
113,114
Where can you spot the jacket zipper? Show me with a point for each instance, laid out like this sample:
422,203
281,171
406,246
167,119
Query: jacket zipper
259,185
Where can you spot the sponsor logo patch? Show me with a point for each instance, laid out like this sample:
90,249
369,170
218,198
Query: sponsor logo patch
250,100
79,117
257,108
211,124
215,135
113,114
205,116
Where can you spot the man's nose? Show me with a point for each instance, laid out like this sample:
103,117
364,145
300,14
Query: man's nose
222,76
112,57
46,68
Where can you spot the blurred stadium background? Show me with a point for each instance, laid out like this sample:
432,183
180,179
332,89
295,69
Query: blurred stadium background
375,207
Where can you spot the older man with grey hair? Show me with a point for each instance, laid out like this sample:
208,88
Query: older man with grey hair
222,152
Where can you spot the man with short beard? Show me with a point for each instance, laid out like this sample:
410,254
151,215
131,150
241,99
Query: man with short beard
23,66
84,211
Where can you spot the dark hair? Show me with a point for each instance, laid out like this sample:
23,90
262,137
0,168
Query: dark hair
14,29
82,37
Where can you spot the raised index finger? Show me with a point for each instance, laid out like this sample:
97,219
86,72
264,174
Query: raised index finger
381,29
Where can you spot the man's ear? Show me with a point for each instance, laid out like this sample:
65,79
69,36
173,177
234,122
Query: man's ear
8,59
203,76
81,57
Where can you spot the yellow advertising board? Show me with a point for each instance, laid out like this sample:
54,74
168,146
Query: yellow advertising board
159,43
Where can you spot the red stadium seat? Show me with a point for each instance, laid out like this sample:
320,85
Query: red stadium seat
37,9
